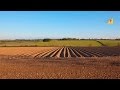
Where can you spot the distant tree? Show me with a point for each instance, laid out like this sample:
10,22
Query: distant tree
46,40
69,39
117,39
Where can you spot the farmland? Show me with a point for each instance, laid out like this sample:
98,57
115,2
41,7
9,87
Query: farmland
58,52
56,43
50,43
110,42
66,59
84,68
59,62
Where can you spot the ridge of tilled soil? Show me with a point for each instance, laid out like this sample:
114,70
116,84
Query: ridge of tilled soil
70,52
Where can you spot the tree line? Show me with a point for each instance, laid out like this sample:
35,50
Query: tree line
49,39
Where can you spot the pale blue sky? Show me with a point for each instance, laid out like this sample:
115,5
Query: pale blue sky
58,24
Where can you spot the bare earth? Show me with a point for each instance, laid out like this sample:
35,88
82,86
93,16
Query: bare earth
59,63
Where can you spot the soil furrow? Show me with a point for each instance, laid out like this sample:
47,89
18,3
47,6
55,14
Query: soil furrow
72,53
76,52
68,51
58,54
83,53
42,54
49,53
62,53
88,53
66,54
54,53
97,54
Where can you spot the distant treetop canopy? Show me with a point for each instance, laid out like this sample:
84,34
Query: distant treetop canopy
69,39
46,40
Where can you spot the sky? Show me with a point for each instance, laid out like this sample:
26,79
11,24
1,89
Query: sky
58,24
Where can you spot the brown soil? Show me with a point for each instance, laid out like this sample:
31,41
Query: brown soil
54,63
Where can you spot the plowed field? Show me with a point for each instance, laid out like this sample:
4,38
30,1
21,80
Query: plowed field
60,62
58,52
